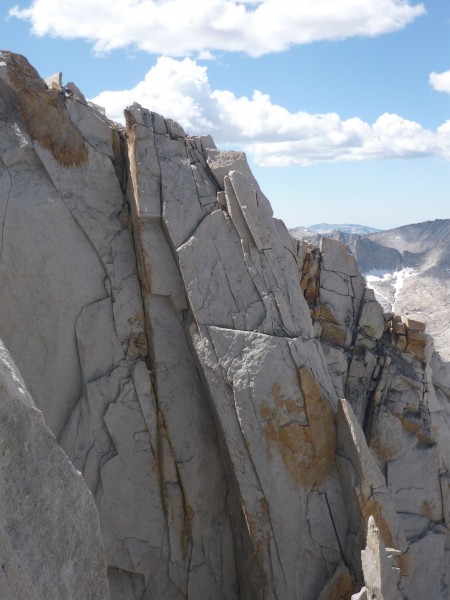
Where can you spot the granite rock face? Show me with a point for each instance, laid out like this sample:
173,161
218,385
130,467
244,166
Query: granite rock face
50,539
237,402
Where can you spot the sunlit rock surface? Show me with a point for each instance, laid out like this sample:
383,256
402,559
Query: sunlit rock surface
408,268
237,402
50,539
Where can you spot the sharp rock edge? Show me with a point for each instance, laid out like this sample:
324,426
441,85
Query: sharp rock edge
249,421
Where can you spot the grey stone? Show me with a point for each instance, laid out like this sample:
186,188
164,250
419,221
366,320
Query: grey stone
190,357
50,541
336,257
381,577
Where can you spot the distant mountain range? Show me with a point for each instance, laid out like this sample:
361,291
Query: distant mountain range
326,228
408,267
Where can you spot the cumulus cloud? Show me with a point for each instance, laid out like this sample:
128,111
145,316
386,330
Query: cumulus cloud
271,134
187,27
440,81
178,89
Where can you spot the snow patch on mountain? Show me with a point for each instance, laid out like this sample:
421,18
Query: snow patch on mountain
388,284
326,228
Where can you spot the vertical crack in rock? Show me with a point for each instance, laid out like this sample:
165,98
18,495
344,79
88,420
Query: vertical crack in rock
5,212
193,355
165,305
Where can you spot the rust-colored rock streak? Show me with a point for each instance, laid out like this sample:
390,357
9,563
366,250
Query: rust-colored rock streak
44,115
307,451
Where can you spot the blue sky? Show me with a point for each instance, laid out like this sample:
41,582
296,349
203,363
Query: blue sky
343,106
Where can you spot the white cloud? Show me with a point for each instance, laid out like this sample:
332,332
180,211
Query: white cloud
440,81
185,27
180,89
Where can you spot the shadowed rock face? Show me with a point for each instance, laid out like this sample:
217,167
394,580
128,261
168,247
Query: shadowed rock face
191,359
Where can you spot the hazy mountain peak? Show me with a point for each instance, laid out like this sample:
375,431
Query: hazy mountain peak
344,227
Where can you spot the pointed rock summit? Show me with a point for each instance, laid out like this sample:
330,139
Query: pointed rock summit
236,401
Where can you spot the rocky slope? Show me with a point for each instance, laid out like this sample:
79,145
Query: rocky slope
249,422
415,278
409,269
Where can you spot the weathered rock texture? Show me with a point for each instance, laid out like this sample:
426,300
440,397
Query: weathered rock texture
50,539
409,269
192,360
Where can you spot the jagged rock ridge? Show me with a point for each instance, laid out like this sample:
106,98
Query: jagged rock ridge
409,269
192,360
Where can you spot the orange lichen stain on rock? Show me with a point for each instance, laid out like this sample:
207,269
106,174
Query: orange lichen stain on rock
415,426
326,314
266,413
333,330
308,451
342,588
430,511
405,562
137,346
384,452
418,350
309,282
411,425
44,114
